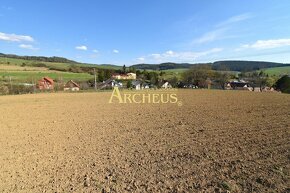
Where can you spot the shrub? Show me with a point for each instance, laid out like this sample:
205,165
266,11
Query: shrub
38,65
4,90
21,89
129,84
283,84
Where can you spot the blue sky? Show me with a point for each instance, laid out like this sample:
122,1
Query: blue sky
151,31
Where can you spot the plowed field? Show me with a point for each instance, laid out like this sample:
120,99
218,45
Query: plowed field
217,141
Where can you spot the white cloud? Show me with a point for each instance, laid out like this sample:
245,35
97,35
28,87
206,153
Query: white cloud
141,59
170,52
81,48
156,56
116,51
15,38
95,51
235,19
27,46
221,29
266,44
212,36
188,56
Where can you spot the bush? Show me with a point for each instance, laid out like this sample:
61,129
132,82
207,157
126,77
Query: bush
129,84
4,90
21,89
58,87
38,65
283,84
57,69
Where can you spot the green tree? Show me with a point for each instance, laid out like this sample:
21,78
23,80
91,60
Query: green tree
153,77
129,84
198,75
101,76
270,81
283,84
107,74
173,81
124,68
222,78
132,69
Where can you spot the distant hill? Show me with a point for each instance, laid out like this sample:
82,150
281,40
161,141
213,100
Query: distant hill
38,58
55,62
162,66
229,65
245,65
60,63
109,66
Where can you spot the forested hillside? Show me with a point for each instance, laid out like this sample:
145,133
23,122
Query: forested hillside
245,65
229,65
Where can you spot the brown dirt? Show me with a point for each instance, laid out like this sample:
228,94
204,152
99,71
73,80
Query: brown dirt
218,141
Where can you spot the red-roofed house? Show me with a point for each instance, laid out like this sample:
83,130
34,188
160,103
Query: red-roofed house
45,83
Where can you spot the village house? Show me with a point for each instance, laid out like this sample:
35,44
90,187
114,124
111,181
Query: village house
128,76
237,85
166,85
110,83
145,86
136,84
45,83
71,86
117,84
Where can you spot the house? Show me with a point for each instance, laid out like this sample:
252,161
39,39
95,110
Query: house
116,76
237,85
131,76
128,76
268,89
45,83
166,85
263,89
117,84
145,86
136,84
71,86
190,86
108,84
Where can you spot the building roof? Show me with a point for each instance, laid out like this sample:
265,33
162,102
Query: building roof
48,79
72,82
136,82
238,84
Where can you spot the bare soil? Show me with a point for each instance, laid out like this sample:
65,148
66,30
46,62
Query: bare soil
217,141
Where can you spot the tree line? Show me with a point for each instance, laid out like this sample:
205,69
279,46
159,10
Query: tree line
39,58
203,75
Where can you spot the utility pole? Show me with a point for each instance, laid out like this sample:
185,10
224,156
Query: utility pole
10,83
95,84
33,84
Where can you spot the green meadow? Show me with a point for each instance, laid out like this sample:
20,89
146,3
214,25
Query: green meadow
278,71
29,76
